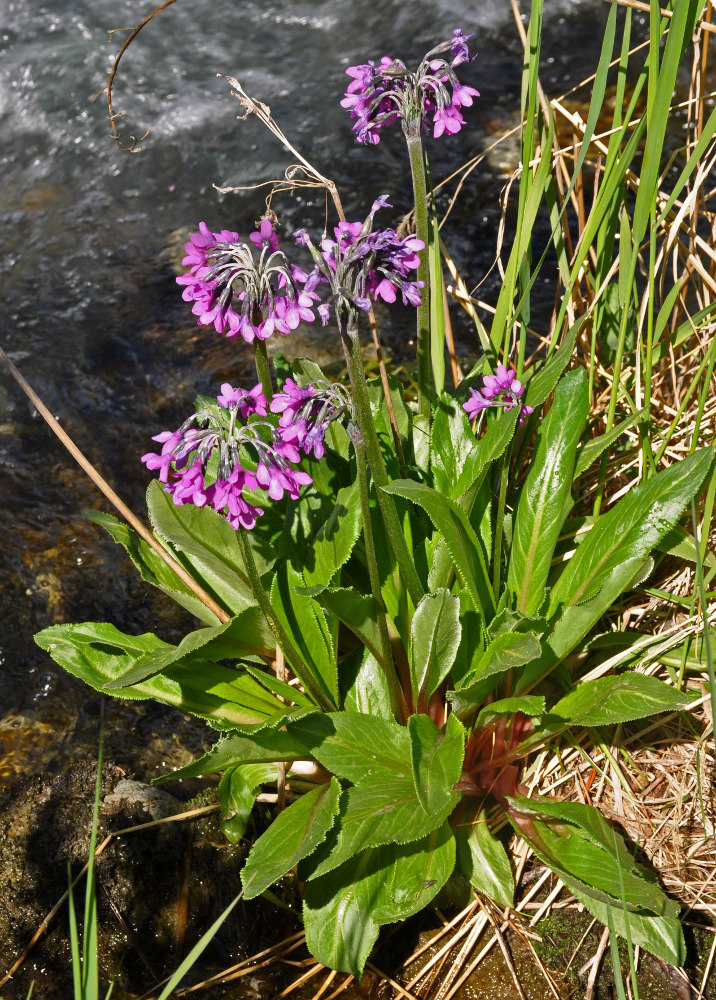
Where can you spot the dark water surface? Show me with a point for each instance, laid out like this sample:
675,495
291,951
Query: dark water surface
90,310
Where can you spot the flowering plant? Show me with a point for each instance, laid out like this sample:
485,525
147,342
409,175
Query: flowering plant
399,591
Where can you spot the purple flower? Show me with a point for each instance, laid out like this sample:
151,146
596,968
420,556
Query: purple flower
361,264
247,403
380,94
237,294
502,389
216,436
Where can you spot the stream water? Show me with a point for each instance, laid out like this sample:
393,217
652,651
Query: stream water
90,310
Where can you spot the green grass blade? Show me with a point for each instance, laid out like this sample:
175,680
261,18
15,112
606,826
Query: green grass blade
90,970
74,942
197,950
616,966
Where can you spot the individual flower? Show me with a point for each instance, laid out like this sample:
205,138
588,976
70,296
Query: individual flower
307,412
238,454
361,264
238,294
502,389
382,93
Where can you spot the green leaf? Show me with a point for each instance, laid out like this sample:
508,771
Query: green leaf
245,632
532,705
357,611
609,700
152,568
308,629
454,449
344,909
576,620
264,746
99,653
324,552
294,834
357,746
630,529
366,690
437,760
206,544
661,936
483,860
579,845
340,932
238,789
539,518
382,809
506,651
434,639
460,539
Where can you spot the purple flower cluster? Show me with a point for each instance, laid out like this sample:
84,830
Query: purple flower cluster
307,411
361,263
217,433
501,389
381,93
238,294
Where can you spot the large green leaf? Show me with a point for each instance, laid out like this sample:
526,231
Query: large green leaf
460,539
539,515
356,747
340,932
532,705
99,653
321,532
344,909
661,936
609,700
308,628
507,651
246,632
577,619
264,746
630,529
382,809
294,834
437,760
579,845
434,639
483,860
206,544
336,537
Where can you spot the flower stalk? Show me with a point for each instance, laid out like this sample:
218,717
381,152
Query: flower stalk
417,171
354,362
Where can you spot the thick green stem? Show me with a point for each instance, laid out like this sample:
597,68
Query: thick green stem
282,638
417,170
397,699
263,368
354,361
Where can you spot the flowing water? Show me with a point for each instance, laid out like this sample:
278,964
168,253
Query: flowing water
90,238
